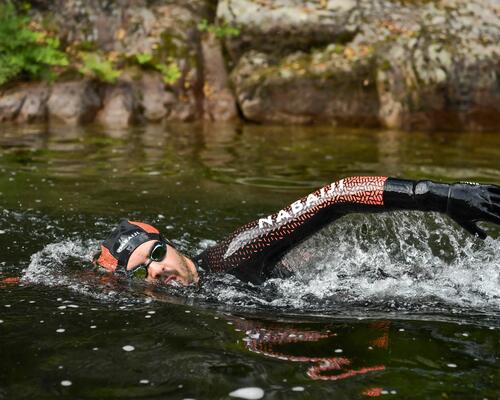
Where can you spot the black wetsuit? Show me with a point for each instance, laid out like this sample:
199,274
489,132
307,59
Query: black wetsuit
253,251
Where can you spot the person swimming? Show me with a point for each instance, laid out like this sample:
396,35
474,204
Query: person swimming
252,252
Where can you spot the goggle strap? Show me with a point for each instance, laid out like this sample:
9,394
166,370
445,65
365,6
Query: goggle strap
134,244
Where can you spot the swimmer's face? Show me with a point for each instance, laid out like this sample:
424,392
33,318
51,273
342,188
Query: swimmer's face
175,267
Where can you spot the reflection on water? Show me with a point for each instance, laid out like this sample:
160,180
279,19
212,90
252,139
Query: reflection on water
279,342
232,152
404,305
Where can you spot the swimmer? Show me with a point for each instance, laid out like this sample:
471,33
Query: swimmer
253,252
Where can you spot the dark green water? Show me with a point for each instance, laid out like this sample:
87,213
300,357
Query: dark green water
400,305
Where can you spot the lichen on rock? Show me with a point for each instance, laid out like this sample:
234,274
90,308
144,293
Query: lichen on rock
411,65
307,88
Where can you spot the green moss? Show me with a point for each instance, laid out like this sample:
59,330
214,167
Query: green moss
171,46
329,64
385,65
221,31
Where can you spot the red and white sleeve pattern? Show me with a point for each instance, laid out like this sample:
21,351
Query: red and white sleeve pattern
259,240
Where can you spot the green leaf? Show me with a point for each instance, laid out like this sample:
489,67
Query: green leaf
143,58
103,69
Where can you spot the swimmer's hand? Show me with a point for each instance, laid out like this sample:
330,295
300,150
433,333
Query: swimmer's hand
469,203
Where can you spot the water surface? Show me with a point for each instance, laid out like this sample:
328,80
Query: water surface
403,305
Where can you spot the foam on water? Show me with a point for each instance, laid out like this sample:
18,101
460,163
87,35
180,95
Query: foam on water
402,261
68,264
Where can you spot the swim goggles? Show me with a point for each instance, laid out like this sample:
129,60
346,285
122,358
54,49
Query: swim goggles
158,253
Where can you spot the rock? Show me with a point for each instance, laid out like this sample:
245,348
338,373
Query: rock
154,100
166,31
410,65
25,103
188,97
125,26
74,102
321,88
290,25
184,108
34,108
426,84
11,102
120,106
219,103
400,64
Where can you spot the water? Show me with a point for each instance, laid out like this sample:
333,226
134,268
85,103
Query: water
401,305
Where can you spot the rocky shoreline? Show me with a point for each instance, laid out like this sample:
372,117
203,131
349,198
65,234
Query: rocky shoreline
403,64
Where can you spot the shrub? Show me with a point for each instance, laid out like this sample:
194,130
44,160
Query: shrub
95,65
170,71
23,50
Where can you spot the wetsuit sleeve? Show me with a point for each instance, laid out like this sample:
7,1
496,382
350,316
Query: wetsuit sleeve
251,251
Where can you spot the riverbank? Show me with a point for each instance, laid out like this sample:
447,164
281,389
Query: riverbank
412,65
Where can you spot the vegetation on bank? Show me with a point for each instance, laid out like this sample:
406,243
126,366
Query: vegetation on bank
32,51
25,48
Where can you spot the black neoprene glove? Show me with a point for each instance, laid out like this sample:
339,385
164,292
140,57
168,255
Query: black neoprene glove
469,203
465,203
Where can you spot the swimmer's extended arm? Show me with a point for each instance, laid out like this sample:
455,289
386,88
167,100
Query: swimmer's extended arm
465,203
252,250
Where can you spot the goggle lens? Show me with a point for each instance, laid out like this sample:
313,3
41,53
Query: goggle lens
140,272
158,252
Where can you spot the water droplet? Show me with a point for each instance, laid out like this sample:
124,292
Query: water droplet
66,383
298,389
144,381
338,350
93,326
250,393
451,365
60,330
128,348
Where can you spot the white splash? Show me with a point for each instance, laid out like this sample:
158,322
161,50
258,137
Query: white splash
401,258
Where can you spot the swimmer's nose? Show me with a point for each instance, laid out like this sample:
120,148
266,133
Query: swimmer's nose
156,270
